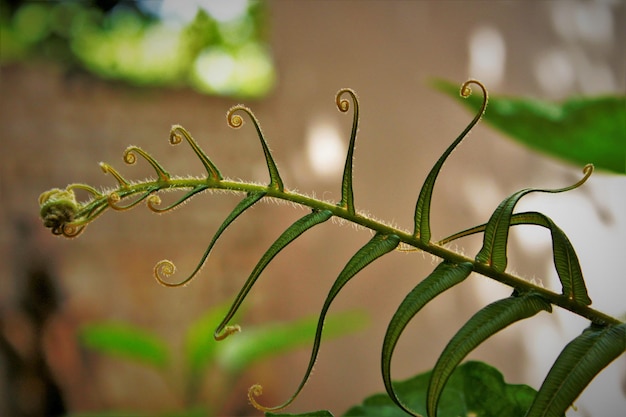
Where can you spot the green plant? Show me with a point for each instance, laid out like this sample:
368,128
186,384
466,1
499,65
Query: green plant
201,354
579,362
119,43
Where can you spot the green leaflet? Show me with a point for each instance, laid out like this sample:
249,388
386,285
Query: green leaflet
165,266
565,258
493,251
445,276
347,194
422,208
126,341
484,324
235,121
130,157
175,137
578,130
378,246
296,229
474,389
579,362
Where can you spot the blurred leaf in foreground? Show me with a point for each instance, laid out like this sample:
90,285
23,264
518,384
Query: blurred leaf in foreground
579,130
255,344
126,341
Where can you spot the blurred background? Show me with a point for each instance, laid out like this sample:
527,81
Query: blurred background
80,81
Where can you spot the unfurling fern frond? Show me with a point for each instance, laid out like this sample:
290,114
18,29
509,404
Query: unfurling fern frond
581,360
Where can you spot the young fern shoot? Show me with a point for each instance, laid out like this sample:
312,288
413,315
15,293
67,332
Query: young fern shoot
579,362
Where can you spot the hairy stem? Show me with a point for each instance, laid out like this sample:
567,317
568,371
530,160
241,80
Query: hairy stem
102,201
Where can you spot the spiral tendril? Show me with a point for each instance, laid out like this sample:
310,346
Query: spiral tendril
163,269
130,158
70,230
166,268
112,200
254,391
177,133
343,104
153,201
466,91
236,121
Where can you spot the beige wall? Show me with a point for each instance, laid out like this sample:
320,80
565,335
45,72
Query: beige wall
56,128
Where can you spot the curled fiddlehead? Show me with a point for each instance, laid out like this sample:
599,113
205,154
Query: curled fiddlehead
62,213
130,157
66,216
58,211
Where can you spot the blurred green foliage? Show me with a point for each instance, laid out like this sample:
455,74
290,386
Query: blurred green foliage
219,51
203,355
579,130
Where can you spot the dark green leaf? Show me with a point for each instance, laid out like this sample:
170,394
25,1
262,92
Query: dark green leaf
444,277
258,343
422,208
474,388
484,324
579,130
378,246
581,360
565,259
126,341
294,231
494,249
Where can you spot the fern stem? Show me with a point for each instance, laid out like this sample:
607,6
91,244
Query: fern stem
101,201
